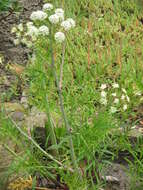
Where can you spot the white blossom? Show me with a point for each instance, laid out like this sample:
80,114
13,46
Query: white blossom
59,37
72,22
1,60
44,30
24,41
68,24
33,31
103,94
114,94
125,107
113,109
61,16
116,101
18,34
13,30
103,101
138,93
103,86
16,42
54,19
28,24
123,89
47,7
128,99
59,10
115,85
38,15
123,97
20,27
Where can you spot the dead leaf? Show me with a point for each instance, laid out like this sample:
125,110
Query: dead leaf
18,69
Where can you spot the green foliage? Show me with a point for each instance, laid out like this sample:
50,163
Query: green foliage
6,5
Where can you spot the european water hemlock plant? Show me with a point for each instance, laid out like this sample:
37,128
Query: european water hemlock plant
51,26
87,76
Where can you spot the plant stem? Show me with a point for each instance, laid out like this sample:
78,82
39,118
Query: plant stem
51,127
62,64
73,158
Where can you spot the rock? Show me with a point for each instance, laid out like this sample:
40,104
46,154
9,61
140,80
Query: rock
18,116
119,172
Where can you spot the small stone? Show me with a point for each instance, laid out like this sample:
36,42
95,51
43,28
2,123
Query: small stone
18,116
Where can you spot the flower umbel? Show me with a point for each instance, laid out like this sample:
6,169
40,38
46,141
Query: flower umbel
47,7
44,30
68,24
59,37
38,15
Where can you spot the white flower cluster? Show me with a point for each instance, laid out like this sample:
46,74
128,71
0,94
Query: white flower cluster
68,24
44,30
117,100
38,15
59,37
31,30
47,7
57,16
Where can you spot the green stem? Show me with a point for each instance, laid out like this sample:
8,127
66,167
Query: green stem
73,157
50,128
62,64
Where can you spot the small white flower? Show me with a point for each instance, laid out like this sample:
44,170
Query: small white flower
128,99
1,60
125,107
16,42
38,15
32,31
47,7
61,16
44,30
59,10
24,41
13,30
114,94
138,93
60,13
28,24
54,19
115,85
123,97
123,89
113,109
20,27
72,22
103,86
68,24
18,34
116,101
103,94
103,101
59,37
